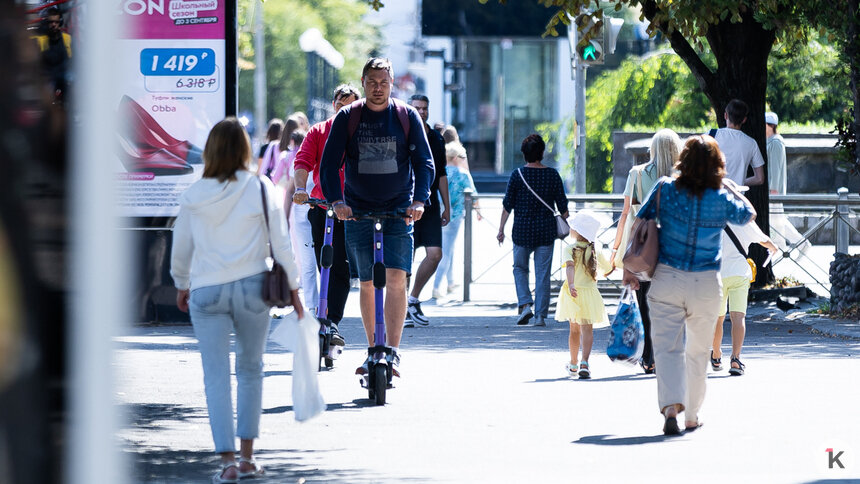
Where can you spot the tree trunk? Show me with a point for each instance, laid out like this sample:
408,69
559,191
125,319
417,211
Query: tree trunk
852,51
741,50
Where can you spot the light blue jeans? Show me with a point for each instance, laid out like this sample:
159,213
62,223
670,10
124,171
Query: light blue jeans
543,266
216,312
449,240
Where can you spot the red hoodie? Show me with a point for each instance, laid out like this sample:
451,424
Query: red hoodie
310,153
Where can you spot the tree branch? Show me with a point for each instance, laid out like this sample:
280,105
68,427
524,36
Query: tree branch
706,78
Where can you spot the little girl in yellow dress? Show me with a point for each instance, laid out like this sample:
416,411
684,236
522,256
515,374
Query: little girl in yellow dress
579,301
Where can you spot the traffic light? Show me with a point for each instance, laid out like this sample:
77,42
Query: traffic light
591,38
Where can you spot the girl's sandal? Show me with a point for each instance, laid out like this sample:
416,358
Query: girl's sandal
716,363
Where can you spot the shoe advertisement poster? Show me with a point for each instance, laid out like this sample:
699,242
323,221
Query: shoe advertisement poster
172,69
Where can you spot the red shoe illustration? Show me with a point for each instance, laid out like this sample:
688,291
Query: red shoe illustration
158,162
147,135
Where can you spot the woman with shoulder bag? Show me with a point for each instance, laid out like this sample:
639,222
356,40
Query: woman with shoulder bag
220,246
664,151
532,192
685,289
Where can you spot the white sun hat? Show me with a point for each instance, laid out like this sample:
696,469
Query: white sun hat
585,223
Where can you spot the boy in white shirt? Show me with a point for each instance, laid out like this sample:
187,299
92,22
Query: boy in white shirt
740,150
736,274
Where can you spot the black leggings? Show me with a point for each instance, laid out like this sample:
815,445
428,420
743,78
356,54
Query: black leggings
642,299
338,281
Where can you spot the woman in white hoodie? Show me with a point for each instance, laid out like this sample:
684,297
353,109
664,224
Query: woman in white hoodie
218,261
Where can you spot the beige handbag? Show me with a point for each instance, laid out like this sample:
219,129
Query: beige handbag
642,252
635,205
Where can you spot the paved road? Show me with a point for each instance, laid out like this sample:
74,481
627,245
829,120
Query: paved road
482,400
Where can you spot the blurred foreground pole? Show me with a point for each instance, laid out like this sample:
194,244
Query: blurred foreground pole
99,263
261,124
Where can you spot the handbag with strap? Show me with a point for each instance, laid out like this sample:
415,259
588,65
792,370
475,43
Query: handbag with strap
276,285
635,205
562,229
743,252
644,248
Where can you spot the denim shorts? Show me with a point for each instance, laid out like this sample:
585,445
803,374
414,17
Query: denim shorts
396,246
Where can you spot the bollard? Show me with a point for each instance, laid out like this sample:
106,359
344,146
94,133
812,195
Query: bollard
467,244
840,221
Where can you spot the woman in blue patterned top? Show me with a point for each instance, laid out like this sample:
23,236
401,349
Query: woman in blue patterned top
459,180
534,226
686,290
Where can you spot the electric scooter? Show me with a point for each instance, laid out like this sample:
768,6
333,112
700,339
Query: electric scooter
381,358
330,348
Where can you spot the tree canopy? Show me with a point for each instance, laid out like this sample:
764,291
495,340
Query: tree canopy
340,22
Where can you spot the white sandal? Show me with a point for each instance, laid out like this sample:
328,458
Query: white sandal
217,479
257,472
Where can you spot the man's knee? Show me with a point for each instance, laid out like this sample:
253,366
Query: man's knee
434,254
395,278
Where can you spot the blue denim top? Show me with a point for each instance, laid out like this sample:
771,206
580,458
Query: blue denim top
691,227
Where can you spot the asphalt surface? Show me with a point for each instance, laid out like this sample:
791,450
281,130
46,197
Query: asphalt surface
482,400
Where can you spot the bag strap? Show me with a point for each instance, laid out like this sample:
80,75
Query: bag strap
266,216
554,212
737,242
639,185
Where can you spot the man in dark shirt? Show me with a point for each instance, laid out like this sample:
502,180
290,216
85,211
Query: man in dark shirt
56,50
428,230
383,171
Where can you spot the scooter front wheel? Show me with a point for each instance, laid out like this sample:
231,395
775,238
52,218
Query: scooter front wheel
380,382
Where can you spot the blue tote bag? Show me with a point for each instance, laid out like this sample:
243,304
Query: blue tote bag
627,334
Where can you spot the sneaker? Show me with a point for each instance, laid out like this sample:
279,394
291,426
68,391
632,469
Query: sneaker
453,287
394,361
362,372
525,315
417,316
336,338
408,322
540,321
584,372
437,294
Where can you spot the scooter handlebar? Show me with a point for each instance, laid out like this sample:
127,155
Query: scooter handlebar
399,213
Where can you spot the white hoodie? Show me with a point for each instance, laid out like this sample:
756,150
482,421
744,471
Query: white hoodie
220,233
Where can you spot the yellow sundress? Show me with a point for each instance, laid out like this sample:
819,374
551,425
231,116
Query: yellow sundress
587,307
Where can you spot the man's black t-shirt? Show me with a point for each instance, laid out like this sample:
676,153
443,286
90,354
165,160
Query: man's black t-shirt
437,149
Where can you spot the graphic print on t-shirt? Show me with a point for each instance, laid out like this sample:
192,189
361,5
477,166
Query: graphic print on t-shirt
377,155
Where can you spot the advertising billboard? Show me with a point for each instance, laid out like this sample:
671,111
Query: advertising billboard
173,69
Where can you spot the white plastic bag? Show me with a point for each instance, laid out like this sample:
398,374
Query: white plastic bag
301,337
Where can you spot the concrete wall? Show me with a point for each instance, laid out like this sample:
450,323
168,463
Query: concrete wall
809,158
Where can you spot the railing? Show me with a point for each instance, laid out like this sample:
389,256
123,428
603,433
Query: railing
828,224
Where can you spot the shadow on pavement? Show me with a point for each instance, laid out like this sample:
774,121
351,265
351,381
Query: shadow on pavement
607,440
167,465
356,404
147,414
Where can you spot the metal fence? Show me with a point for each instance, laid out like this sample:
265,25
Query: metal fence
808,228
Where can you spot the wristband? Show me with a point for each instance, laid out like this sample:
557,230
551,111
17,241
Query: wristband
299,189
339,202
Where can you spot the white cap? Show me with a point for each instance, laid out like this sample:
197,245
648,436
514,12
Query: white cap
771,118
585,223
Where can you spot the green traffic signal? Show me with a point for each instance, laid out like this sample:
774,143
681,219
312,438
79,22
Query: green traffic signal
589,53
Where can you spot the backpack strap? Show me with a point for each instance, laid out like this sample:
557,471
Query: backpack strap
713,132
401,108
